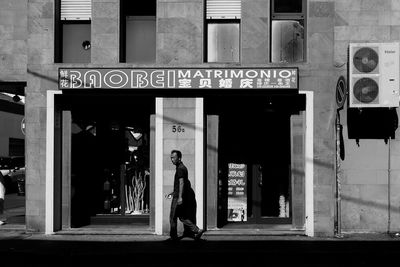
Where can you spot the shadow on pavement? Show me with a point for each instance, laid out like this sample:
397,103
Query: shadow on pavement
25,252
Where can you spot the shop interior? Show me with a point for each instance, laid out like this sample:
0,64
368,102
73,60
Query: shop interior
110,145
255,134
110,157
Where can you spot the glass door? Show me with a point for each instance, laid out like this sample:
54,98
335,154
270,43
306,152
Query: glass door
254,167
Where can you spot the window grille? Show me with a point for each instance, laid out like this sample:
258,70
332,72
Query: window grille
224,9
76,9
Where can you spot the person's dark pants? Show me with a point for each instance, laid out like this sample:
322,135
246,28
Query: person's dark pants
187,218
1,208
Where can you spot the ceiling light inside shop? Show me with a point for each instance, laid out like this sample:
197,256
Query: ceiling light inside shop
137,136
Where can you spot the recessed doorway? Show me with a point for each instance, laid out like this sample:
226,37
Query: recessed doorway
255,141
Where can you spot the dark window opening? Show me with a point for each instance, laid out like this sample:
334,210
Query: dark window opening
287,6
138,31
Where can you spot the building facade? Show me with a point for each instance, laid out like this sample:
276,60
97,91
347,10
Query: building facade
247,92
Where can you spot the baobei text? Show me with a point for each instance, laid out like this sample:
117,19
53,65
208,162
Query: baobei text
272,78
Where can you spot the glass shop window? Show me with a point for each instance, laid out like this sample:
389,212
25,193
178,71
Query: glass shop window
223,30
110,159
138,31
288,20
73,31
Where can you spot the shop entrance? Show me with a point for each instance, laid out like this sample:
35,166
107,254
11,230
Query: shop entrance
261,148
110,141
255,141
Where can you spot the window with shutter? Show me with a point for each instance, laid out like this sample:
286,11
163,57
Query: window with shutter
224,9
76,9
223,30
73,31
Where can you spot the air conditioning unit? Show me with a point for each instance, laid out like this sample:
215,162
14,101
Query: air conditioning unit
373,75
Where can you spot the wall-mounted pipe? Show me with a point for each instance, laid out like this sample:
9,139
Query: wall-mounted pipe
389,178
338,228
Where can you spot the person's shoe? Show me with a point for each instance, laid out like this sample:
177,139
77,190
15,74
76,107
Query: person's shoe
198,235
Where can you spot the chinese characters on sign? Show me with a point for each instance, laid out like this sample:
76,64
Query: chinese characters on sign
237,192
285,78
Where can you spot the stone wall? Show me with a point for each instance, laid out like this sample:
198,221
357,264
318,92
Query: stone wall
320,77
364,172
255,32
179,32
13,34
105,32
41,76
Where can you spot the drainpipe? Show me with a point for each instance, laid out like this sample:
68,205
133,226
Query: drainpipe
338,227
389,174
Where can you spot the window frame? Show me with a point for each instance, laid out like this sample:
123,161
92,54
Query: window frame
58,31
289,16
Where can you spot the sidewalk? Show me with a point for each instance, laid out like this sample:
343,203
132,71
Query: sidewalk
9,231
14,211
20,248
15,229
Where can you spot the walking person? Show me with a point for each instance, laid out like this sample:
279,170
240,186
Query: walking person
2,197
183,205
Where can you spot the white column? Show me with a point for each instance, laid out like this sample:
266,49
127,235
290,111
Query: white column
159,167
309,162
199,161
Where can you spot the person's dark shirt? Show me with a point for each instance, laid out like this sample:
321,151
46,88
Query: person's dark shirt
181,172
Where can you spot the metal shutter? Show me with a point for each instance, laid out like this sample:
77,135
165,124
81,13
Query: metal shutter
224,9
76,9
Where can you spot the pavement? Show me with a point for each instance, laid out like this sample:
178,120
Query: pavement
19,247
18,232
14,209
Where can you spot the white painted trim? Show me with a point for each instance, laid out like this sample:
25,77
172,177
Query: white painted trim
309,163
49,198
199,161
159,205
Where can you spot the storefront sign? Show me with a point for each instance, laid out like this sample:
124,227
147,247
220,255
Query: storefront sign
237,192
269,78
